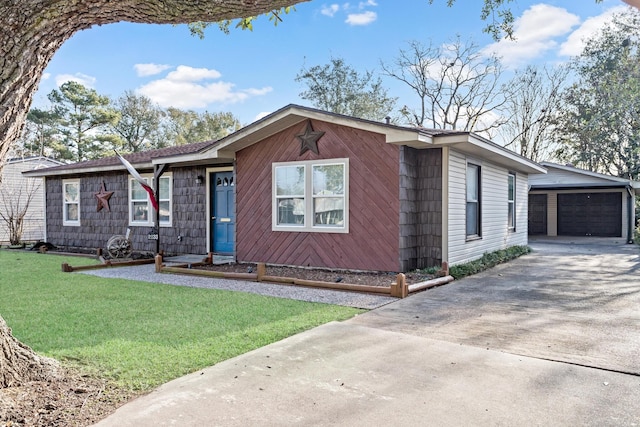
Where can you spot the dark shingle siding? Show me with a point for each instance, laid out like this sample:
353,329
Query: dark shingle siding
420,208
188,209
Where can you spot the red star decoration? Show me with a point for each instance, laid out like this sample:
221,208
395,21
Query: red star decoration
309,139
103,197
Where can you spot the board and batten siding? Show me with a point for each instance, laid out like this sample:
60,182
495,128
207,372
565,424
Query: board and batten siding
372,241
495,233
188,211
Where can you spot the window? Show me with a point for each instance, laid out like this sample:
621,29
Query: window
511,201
473,200
71,203
140,209
311,196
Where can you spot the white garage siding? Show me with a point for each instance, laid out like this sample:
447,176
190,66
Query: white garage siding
561,176
494,209
16,188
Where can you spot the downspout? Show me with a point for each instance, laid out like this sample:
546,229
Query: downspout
631,218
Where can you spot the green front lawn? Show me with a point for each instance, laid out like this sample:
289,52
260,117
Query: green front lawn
135,333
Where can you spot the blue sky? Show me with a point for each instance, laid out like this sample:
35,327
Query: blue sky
253,73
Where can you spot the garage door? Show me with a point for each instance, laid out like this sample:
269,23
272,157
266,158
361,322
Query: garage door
537,214
590,214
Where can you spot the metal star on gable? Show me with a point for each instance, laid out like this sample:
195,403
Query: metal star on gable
309,139
103,197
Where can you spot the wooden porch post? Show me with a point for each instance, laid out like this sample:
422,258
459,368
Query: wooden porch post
158,170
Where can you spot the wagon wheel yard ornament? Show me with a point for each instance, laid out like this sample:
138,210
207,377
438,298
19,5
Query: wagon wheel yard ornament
119,246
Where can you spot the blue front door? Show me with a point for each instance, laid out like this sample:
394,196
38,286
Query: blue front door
223,218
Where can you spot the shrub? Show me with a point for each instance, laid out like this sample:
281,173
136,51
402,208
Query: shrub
488,260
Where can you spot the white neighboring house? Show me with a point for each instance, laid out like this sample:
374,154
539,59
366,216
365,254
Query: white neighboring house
568,201
16,189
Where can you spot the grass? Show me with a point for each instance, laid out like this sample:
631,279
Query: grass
140,334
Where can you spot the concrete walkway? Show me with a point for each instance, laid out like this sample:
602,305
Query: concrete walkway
444,356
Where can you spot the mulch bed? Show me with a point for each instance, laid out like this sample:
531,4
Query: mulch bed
369,278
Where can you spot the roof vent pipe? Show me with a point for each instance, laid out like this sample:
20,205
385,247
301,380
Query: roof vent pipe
387,119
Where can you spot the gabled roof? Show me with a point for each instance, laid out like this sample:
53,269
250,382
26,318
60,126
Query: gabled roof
141,160
568,177
224,150
419,138
30,159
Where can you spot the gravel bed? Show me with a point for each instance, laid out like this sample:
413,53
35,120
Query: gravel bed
146,273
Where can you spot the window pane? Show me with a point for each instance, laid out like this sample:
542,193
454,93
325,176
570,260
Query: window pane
472,183
164,211
164,188
71,212
511,215
328,211
291,211
328,180
512,182
290,181
140,211
137,192
71,193
472,219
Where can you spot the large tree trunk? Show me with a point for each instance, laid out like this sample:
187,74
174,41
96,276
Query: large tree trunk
31,31
19,364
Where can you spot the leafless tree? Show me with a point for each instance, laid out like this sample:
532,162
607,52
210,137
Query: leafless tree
534,98
455,83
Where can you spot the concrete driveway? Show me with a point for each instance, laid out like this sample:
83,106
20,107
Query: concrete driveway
487,350
572,300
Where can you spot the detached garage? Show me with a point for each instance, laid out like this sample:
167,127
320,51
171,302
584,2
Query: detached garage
568,201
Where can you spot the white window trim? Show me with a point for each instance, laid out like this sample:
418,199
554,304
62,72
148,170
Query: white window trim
512,202
308,226
478,202
65,221
150,222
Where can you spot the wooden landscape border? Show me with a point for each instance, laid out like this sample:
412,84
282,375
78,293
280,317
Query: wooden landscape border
106,264
103,262
398,289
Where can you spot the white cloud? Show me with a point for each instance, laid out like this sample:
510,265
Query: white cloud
46,76
261,115
575,42
330,10
143,70
188,87
83,79
185,73
364,18
535,33
365,4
